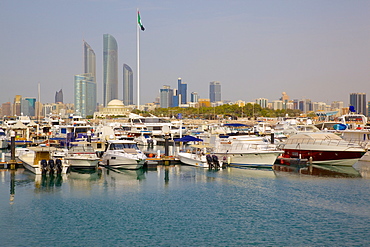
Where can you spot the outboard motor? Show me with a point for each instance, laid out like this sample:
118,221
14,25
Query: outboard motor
58,166
51,166
44,167
215,161
209,160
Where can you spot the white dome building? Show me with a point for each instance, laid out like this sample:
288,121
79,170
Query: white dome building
114,108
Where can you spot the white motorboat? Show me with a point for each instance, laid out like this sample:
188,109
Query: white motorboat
200,156
82,155
246,151
40,161
123,154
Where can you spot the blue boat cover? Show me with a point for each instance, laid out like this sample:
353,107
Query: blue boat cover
235,125
188,139
339,126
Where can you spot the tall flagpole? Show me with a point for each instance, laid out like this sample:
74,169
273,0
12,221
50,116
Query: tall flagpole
138,62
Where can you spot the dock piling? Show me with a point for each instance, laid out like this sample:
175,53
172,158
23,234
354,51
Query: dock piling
12,161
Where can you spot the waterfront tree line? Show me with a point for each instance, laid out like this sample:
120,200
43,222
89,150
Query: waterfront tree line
251,111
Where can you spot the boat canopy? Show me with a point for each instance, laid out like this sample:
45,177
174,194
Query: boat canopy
188,139
235,125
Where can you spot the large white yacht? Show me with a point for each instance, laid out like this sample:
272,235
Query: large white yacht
123,154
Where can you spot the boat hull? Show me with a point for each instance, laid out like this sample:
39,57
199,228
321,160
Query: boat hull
256,159
122,162
193,160
28,163
82,162
335,158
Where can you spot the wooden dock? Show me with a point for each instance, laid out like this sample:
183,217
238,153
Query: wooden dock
6,165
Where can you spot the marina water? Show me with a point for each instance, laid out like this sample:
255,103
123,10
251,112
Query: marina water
183,206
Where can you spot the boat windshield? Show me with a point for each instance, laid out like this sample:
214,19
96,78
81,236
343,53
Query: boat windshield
121,146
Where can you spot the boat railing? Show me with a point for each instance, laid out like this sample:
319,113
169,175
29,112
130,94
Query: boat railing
326,142
249,146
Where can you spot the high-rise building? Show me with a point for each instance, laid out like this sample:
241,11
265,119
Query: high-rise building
6,109
85,94
89,60
305,105
285,100
17,105
337,105
28,106
182,91
263,102
128,85
110,73
215,91
166,96
358,101
194,97
59,96
85,84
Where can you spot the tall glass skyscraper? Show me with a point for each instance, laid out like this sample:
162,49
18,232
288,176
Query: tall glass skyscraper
85,84
358,100
166,96
215,91
59,96
89,60
85,94
28,106
110,65
182,91
128,85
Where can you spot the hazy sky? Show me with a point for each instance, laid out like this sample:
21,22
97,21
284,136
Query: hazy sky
315,49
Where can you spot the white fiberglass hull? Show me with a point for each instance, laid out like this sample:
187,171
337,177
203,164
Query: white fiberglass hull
81,162
254,159
28,163
193,159
122,162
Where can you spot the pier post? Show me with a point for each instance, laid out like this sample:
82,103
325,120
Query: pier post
88,136
310,165
12,150
272,137
166,144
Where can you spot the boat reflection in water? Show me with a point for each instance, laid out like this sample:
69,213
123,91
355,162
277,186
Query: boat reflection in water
82,180
48,183
119,178
318,170
84,174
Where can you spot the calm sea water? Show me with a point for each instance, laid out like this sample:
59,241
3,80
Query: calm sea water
183,206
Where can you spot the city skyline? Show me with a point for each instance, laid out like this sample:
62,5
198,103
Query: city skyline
309,49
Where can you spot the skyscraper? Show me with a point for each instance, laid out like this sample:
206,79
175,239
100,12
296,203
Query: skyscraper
182,91
215,91
358,100
59,96
166,96
85,94
28,106
110,73
194,97
85,84
89,60
128,85
17,105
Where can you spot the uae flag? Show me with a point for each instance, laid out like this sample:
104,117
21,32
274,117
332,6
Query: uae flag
139,21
